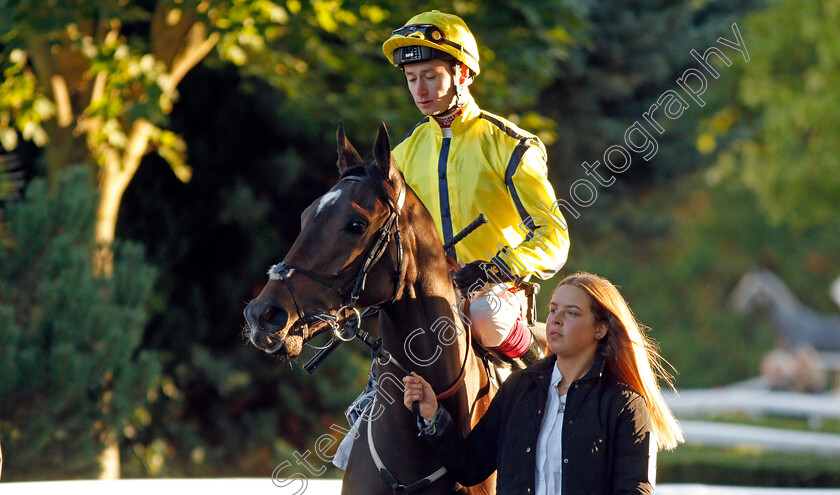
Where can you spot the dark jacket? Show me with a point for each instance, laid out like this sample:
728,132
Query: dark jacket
606,436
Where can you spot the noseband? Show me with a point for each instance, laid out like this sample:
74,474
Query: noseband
283,271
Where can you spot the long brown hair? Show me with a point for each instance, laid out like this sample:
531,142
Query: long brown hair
629,353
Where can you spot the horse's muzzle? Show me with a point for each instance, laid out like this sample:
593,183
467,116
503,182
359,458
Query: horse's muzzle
267,323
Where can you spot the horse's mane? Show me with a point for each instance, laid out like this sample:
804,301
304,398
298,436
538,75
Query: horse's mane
383,185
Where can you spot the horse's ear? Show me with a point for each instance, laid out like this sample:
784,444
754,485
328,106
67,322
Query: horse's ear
382,153
347,154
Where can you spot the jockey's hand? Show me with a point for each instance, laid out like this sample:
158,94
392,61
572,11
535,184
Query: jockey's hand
418,389
474,275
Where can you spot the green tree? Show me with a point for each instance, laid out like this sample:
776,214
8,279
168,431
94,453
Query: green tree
780,134
71,372
627,58
71,80
682,230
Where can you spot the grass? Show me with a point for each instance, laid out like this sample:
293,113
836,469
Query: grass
752,467
743,467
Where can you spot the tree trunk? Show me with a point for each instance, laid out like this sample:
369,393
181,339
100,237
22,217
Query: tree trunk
114,177
109,458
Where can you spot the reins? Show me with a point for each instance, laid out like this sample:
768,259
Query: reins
449,392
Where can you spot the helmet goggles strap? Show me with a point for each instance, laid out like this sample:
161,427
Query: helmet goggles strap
428,32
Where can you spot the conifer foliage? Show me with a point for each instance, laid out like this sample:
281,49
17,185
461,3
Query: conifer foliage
70,370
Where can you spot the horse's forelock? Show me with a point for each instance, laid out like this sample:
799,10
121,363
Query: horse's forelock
358,170
381,183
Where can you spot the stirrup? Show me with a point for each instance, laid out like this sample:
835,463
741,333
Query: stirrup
361,403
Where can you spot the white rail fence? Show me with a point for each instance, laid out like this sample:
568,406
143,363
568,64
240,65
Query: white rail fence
753,399
755,402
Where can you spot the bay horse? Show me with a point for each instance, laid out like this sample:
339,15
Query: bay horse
370,241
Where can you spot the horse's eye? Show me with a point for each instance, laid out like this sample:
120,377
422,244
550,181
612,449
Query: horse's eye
356,227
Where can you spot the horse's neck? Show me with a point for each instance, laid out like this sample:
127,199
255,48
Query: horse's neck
783,303
799,323
423,329
421,332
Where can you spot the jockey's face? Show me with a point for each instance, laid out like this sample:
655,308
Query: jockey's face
431,85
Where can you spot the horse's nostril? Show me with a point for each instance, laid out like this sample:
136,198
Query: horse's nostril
275,316
252,313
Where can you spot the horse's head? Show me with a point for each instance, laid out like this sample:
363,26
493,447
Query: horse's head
348,254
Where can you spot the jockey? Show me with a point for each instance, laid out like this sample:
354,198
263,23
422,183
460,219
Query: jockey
462,161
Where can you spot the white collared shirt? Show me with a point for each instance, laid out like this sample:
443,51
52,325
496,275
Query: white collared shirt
549,453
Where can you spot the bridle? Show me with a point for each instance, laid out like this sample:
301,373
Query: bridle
390,229
351,329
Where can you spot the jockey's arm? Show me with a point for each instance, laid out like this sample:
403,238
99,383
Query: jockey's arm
546,245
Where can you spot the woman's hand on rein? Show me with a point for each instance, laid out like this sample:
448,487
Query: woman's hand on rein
418,389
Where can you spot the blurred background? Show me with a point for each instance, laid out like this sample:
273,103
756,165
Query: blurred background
156,157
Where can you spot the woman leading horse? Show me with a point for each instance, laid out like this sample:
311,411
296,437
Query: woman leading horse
587,419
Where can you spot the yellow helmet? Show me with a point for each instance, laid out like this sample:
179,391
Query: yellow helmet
432,35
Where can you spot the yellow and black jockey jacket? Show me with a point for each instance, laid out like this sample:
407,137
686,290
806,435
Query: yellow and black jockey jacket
489,166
